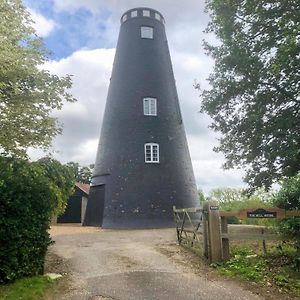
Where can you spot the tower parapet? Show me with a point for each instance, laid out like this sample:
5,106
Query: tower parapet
142,12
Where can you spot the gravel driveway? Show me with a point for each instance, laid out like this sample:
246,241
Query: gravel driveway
134,264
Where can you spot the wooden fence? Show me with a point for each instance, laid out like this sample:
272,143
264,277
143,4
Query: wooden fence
207,229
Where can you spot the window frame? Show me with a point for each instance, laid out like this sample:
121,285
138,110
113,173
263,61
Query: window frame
151,29
152,147
157,16
133,13
147,106
146,13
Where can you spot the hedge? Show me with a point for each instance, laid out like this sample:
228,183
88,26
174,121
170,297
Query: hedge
26,206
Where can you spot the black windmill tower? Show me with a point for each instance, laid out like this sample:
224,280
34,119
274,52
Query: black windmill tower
143,166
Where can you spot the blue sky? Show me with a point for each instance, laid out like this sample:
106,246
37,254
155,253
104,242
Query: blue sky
82,34
73,28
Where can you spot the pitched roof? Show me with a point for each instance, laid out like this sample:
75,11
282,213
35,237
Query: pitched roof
85,187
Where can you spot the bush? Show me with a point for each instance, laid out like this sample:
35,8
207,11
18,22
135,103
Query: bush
26,205
288,198
231,199
62,180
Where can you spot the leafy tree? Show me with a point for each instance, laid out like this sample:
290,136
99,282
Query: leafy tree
231,199
82,174
202,198
28,93
288,198
61,180
254,97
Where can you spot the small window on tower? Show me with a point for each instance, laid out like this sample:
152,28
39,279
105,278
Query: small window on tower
151,153
146,13
134,13
146,32
150,107
157,16
124,18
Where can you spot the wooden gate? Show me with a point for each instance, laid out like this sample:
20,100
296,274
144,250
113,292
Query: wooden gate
206,228
189,226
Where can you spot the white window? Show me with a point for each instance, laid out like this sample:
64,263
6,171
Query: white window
146,32
124,18
146,13
151,153
150,107
134,13
157,16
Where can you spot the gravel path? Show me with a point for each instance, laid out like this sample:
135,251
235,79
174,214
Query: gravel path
134,265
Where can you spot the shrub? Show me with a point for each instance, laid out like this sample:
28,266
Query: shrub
26,205
288,198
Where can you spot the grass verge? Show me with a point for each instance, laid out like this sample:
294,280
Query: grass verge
31,288
278,268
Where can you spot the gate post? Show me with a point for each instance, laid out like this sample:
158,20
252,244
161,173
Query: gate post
211,209
205,231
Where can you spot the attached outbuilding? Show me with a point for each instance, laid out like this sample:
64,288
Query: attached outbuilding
75,210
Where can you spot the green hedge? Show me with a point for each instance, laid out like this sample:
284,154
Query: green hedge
26,206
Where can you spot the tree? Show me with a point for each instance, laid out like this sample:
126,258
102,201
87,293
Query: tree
82,174
61,179
202,198
288,197
28,93
254,97
234,199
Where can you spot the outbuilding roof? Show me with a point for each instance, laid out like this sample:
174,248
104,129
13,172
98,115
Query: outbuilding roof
85,187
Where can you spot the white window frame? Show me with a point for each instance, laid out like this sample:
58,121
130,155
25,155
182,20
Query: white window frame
146,13
146,32
157,16
150,155
134,14
150,106
124,18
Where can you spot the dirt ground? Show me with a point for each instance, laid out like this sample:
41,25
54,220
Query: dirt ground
135,264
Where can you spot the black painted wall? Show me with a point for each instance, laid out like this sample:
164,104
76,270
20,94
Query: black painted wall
139,194
72,214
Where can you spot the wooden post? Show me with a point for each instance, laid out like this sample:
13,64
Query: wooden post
225,240
214,232
264,242
205,231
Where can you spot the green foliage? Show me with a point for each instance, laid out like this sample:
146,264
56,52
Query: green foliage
231,199
274,269
27,203
61,180
30,194
82,174
288,198
255,85
202,198
28,94
32,288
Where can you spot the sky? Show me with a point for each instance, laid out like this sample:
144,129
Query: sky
82,36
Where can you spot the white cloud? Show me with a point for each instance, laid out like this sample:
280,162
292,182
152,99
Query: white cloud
91,70
42,25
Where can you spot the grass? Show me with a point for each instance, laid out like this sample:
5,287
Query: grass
31,288
278,268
